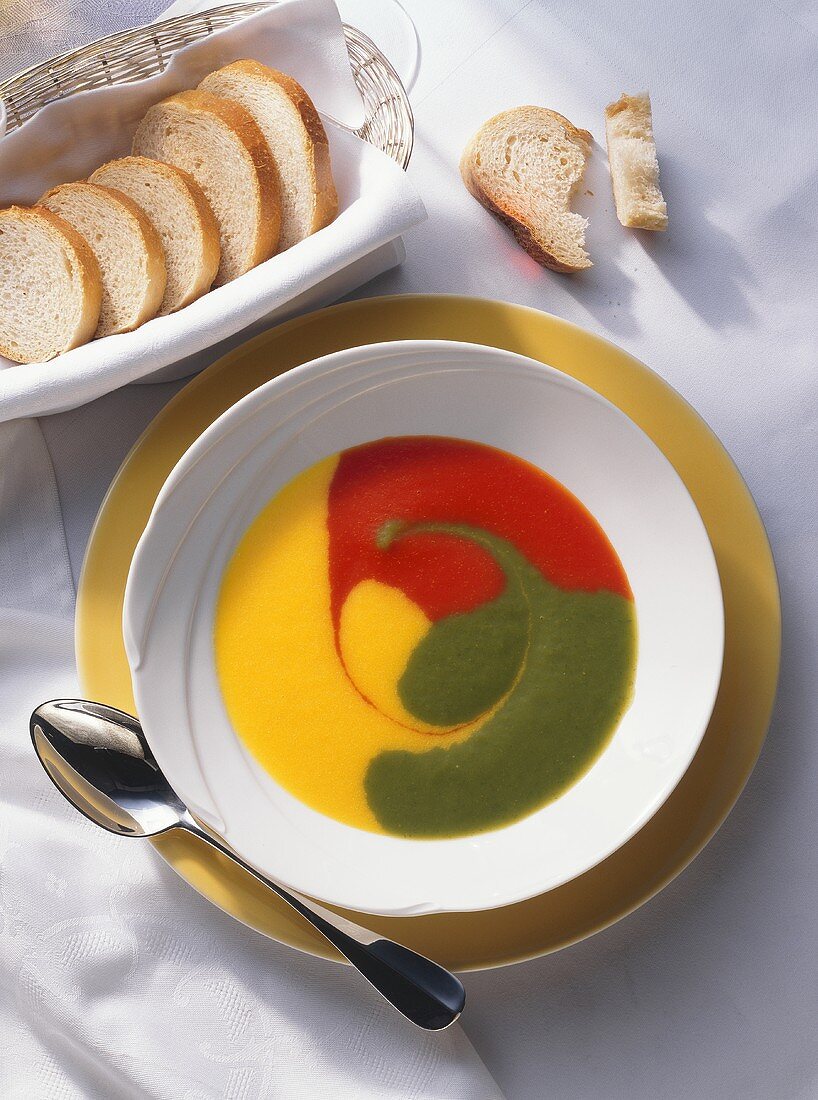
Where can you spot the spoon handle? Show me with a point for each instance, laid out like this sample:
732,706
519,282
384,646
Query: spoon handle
422,991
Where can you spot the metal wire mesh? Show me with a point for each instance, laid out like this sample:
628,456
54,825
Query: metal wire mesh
136,54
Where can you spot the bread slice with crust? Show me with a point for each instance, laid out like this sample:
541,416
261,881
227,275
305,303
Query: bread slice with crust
218,142
180,214
524,166
50,286
127,247
634,164
297,139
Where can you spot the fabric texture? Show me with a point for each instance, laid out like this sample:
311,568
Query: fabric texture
116,979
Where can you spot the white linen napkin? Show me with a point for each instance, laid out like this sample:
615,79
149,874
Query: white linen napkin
116,979
69,138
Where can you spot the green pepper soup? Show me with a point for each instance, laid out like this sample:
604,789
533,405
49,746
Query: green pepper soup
425,637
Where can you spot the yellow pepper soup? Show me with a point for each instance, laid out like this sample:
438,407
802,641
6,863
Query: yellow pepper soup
425,637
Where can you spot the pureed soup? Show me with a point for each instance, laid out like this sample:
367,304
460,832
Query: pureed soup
426,637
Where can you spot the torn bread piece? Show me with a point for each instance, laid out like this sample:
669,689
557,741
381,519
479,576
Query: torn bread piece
524,166
633,162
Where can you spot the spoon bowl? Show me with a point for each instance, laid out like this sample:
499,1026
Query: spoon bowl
99,759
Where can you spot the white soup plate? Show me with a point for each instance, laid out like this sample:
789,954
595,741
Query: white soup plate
423,388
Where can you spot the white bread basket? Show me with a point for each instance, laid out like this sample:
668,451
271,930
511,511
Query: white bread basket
124,68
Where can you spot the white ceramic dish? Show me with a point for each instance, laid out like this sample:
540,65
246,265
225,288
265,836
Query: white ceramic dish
431,388
69,138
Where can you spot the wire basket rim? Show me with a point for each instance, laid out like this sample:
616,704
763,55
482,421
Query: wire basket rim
398,148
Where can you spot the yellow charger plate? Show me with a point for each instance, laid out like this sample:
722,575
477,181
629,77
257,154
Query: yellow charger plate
689,818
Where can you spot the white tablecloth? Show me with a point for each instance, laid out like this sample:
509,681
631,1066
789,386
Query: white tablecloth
118,980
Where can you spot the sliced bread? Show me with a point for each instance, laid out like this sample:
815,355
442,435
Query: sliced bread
221,146
634,164
180,214
50,286
524,166
127,247
297,140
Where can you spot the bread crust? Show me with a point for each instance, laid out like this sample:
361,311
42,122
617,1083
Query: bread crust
624,103
246,129
523,233
203,214
325,196
87,272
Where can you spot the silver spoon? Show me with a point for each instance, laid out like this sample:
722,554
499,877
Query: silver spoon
99,759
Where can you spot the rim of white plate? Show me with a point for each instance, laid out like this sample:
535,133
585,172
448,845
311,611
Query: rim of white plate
221,482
